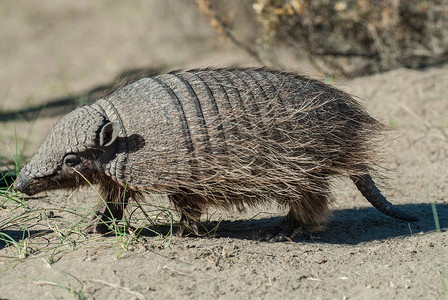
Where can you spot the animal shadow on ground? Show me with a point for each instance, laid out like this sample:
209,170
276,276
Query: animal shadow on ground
346,227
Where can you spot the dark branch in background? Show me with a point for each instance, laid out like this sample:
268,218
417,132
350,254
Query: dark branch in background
223,29
64,105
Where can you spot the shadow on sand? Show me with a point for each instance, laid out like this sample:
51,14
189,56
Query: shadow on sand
64,105
347,227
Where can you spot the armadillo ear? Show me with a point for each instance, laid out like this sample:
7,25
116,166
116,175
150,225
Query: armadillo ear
109,133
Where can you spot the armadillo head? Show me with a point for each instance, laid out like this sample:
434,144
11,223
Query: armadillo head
74,152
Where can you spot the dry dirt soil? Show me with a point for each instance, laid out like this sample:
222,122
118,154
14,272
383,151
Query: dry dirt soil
54,54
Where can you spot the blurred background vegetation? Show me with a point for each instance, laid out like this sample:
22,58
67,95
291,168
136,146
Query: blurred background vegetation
346,37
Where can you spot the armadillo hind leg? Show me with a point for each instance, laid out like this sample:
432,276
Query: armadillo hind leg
368,189
190,213
108,214
306,214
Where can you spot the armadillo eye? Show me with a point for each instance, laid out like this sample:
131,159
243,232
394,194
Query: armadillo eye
71,160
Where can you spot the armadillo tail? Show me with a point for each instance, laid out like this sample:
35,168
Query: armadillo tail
368,189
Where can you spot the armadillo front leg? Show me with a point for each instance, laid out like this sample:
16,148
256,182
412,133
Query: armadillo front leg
109,212
188,225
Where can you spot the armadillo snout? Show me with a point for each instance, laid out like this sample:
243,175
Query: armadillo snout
23,184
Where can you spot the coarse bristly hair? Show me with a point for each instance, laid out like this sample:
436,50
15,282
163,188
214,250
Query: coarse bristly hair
229,138
277,149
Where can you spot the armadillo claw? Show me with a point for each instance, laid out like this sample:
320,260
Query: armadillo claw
187,227
282,232
104,219
96,226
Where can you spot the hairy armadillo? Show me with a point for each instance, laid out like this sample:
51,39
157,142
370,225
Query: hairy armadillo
229,138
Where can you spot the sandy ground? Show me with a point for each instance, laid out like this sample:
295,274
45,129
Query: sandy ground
59,50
